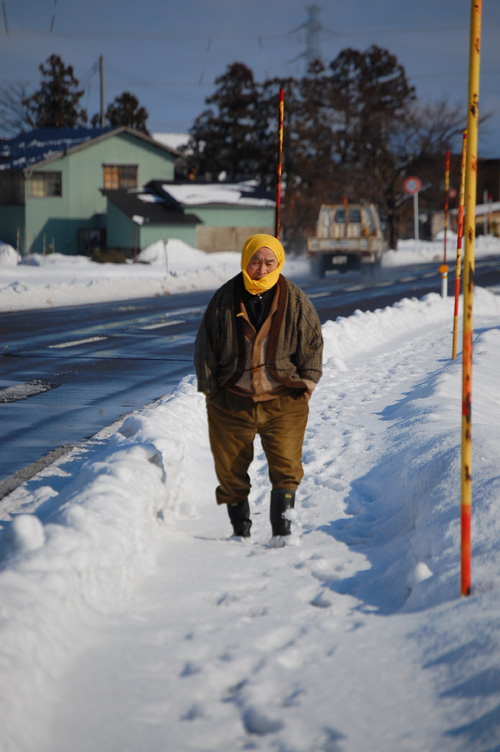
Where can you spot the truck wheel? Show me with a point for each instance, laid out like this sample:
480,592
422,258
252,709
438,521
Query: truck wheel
373,267
353,262
319,265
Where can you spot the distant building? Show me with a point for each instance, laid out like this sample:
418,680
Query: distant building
51,184
432,213
72,190
208,216
487,219
488,181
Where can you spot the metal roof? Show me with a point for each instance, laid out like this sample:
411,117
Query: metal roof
46,144
150,208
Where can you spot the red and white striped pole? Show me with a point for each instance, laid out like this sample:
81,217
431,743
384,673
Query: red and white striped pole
280,161
444,266
460,234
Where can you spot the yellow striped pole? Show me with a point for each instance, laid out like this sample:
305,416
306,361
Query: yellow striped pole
470,221
460,234
280,160
444,266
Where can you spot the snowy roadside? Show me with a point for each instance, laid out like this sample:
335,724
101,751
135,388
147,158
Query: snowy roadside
126,624
57,280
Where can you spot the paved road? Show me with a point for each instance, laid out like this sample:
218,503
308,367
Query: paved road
67,373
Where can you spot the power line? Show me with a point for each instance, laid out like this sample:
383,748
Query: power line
53,18
209,46
5,17
190,37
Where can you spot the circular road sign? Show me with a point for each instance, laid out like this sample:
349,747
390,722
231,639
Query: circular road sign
412,185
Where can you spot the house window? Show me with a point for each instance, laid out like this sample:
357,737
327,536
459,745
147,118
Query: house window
44,185
120,176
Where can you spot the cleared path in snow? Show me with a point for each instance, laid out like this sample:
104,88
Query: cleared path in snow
230,646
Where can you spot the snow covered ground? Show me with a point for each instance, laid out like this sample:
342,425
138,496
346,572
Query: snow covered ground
129,621
57,280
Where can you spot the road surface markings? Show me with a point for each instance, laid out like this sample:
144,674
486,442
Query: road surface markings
76,342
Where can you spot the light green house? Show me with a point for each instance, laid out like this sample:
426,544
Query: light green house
52,184
72,190
208,216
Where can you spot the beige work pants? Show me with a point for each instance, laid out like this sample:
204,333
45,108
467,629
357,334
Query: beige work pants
233,423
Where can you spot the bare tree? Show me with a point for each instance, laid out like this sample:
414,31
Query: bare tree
13,118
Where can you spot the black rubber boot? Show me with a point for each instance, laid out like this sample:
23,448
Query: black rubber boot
282,499
239,514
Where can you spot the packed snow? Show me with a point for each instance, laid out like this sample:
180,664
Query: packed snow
130,620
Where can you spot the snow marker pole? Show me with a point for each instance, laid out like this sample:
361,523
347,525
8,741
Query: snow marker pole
470,220
460,234
444,266
280,160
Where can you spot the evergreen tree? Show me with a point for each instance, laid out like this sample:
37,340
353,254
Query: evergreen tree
125,110
223,139
352,129
358,106
56,103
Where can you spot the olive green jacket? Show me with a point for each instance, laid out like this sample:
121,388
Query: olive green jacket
295,345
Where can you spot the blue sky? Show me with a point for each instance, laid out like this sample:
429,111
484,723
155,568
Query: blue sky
169,52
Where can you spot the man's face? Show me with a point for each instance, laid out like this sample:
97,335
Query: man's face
261,263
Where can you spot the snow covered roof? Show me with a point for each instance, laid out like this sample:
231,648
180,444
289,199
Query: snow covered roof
482,209
172,140
161,202
487,208
45,144
247,193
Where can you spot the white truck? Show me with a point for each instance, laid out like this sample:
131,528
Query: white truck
348,236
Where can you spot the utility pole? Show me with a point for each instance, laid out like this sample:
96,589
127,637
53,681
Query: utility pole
101,75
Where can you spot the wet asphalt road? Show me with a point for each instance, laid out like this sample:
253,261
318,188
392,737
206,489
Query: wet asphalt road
67,373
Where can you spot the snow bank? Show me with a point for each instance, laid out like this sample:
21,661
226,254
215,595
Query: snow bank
363,330
84,550
8,255
73,554
58,280
425,252
378,535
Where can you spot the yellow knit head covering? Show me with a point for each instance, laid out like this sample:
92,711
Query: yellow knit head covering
252,245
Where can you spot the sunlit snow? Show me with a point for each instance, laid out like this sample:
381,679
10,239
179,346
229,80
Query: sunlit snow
130,621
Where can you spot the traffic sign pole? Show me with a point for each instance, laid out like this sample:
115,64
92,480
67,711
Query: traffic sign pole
413,185
415,219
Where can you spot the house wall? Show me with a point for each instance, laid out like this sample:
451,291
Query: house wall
125,235
215,239
153,233
226,228
120,229
235,216
82,204
12,225
487,221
